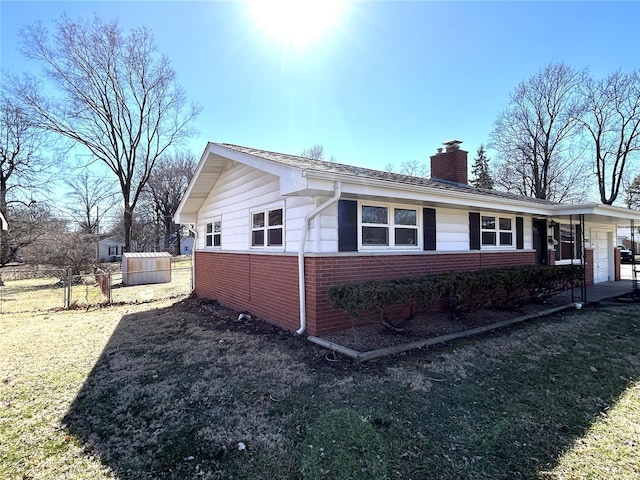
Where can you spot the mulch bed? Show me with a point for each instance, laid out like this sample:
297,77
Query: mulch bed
363,338
367,337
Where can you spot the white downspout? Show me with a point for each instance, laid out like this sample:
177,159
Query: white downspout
337,191
193,256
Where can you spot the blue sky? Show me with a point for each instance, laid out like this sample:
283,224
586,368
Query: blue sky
388,82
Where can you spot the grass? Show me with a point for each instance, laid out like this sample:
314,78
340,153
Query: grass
48,292
24,295
183,390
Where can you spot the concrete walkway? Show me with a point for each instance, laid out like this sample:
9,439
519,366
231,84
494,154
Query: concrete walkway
597,292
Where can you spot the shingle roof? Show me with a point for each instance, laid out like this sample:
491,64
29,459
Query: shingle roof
343,169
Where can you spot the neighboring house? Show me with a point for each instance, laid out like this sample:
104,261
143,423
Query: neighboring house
110,249
272,225
186,245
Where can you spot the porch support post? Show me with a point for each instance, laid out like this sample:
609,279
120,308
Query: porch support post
583,252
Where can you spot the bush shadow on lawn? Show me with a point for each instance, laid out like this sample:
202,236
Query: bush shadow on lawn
178,392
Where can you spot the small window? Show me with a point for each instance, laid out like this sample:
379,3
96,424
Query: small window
217,233
506,231
213,234
380,229
569,242
267,226
488,225
406,226
496,231
375,229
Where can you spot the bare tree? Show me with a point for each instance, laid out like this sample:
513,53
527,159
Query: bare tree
165,188
533,135
21,164
316,152
64,248
632,194
144,233
90,195
30,225
112,94
612,121
413,168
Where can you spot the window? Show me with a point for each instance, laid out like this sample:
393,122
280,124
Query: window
113,251
387,226
213,234
568,247
496,231
267,228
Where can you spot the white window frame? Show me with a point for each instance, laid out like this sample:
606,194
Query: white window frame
211,236
497,231
267,228
575,257
391,227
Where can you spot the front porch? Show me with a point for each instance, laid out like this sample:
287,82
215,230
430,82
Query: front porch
597,292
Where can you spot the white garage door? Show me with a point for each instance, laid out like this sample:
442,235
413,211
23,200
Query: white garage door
600,256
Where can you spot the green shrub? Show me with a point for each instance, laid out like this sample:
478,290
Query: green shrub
386,298
460,291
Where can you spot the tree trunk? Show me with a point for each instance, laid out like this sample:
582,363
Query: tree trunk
4,237
167,232
128,224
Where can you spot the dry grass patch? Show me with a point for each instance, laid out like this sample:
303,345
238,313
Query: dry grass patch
45,361
609,450
175,391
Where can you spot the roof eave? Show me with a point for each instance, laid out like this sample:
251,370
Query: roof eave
472,198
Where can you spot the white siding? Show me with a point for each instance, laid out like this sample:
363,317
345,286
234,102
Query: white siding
527,230
452,230
327,237
240,189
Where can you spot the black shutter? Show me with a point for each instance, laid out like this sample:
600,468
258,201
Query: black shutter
474,231
578,242
429,234
556,237
347,226
519,233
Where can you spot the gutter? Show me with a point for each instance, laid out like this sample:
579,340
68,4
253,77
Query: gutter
337,191
193,257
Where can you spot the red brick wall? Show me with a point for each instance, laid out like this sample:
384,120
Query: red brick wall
267,285
588,268
450,165
323,272
616,264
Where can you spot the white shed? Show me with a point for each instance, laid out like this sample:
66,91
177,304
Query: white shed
146,267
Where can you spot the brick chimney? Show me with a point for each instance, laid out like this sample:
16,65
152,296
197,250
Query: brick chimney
450,165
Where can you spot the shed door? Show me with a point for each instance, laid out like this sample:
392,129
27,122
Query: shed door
600,256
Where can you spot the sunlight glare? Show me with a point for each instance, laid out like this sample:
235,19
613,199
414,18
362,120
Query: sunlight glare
296,23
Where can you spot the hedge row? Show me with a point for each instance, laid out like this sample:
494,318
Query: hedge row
460,292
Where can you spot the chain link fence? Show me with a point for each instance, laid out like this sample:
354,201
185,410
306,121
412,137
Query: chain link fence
34,289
